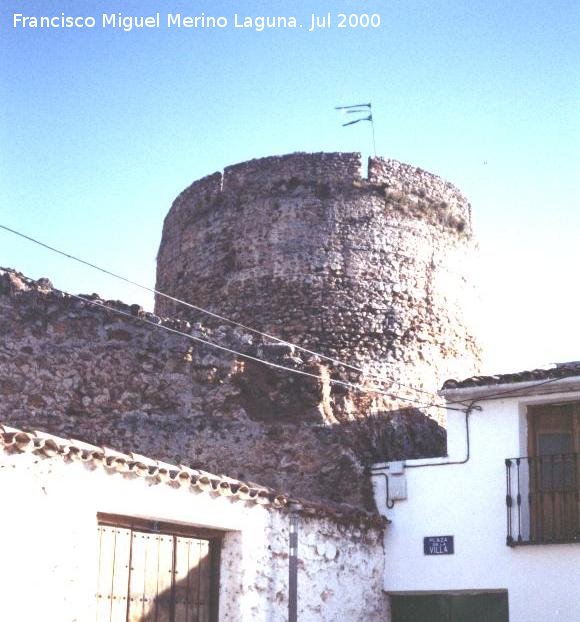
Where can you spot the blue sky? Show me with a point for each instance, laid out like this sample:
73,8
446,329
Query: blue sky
101,129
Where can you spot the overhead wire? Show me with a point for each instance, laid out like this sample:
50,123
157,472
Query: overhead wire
377,377
274,338
358,387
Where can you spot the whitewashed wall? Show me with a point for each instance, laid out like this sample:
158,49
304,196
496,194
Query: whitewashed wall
468,501
48,562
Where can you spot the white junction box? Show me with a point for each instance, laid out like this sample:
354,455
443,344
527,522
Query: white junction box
397,481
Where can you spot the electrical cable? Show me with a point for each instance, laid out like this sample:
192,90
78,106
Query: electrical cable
277,339
472,406
211,313
335,381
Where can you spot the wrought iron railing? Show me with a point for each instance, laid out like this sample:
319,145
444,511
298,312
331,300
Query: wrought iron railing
543,499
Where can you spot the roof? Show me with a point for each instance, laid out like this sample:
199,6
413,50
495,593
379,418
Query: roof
558,371
17,441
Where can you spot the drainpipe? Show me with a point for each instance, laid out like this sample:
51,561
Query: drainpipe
401,466
467,412
294,508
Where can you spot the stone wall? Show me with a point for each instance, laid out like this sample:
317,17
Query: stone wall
339,575
76,368
375,271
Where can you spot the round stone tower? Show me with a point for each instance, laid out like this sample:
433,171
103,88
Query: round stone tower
375,271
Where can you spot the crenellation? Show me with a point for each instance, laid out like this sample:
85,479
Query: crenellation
202,191
286,173
423,189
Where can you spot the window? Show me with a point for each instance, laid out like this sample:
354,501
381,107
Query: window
554,448
156,572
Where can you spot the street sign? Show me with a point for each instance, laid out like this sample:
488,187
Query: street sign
438,545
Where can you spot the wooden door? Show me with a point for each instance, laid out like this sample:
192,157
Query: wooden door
192,580
113,573
146,576
151,577
554,448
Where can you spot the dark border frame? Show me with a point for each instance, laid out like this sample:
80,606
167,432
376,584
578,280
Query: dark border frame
213,536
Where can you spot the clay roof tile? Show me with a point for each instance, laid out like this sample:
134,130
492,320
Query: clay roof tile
15,440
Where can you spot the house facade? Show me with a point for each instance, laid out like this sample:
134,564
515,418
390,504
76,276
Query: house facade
492,530
91,534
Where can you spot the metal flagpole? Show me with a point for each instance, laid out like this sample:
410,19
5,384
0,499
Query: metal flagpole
373,129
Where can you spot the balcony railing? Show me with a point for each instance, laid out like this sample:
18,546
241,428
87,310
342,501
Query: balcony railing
543,499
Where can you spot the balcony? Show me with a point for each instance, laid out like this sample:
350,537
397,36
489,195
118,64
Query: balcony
543,499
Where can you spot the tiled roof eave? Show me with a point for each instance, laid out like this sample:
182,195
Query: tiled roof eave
39,443
15,441
480,388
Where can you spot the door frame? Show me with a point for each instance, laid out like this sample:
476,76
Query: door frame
167,528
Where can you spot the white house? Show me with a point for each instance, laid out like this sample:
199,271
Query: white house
90,534
491,532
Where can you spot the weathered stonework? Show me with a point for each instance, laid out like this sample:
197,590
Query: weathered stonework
76,369
374,271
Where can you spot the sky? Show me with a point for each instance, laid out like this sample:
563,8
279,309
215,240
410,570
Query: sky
100,129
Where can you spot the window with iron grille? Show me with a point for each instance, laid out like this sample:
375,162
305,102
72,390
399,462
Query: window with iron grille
156,572
543,488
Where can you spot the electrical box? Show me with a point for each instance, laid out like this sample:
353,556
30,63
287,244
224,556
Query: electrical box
397,481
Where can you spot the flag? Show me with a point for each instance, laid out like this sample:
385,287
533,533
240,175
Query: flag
359,109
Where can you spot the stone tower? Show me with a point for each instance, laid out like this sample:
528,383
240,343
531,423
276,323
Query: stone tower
375,271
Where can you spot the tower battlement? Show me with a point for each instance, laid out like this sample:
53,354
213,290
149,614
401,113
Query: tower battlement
325,173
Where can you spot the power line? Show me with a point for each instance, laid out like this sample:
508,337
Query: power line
507,393
210,313
358,387
335,381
